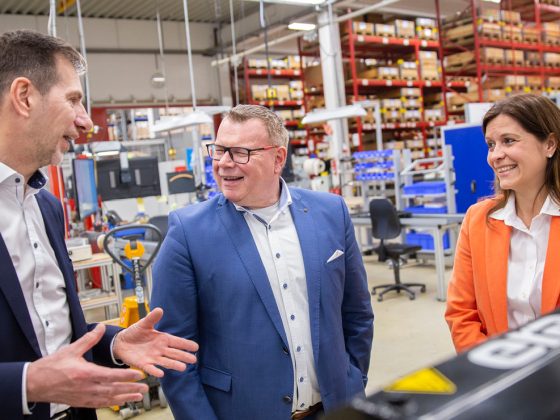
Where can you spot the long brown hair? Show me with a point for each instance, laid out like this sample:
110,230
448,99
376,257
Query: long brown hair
539,116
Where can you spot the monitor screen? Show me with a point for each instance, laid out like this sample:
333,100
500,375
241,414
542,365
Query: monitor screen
141,180
85,191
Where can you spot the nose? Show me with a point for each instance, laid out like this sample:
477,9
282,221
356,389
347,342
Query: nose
83,122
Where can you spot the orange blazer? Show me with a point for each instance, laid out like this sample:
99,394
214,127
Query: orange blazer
477,293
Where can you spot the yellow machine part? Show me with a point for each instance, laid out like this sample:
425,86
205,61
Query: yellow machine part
129,312
131,253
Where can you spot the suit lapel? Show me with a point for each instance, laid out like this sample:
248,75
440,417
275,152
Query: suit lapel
10,286
302,214
59,247
240,234
497,251
551,275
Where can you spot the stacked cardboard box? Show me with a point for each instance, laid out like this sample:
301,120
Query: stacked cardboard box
429,68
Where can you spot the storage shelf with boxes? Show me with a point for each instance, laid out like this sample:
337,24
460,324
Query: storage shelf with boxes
396,61
504,49
284,94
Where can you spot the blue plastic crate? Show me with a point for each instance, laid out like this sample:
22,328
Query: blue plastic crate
426,210
425,240
426,187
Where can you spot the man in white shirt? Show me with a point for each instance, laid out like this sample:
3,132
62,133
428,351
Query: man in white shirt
49,362
269,281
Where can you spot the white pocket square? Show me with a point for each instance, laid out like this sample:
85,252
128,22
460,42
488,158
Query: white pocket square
335,255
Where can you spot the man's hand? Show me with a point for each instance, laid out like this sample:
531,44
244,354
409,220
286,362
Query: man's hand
142,346
66,377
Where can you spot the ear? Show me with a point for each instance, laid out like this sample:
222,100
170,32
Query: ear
20,94
551,144
281,155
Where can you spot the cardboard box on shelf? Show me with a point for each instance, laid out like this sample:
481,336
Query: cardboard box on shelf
512,33
313,78
404,28
409,92
383,29
514,57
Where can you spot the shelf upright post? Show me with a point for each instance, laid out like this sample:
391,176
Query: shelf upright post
355,89
248,97
474,5
441,56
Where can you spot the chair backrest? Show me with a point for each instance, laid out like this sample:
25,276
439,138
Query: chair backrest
161,222
385,223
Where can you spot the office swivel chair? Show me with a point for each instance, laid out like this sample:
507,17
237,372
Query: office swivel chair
385,224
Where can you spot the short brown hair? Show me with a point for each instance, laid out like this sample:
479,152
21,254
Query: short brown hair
277,133
539,116
26,53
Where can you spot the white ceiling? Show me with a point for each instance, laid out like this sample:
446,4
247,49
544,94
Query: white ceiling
209,11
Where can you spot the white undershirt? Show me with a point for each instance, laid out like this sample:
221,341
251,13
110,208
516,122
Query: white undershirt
527,256
24,233
278,244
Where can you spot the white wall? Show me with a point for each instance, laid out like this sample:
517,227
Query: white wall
121,58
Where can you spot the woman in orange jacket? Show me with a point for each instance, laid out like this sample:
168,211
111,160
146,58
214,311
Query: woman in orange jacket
507,261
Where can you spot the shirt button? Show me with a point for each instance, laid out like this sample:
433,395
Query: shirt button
292,317
287,399
35,245
277,255
285,286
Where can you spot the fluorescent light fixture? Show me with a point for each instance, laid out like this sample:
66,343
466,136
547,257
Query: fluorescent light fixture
183,121
321,115
300,26
296,2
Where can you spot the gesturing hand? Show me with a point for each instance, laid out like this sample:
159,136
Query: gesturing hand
142,346
66,377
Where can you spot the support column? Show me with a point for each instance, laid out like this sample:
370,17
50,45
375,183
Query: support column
333,88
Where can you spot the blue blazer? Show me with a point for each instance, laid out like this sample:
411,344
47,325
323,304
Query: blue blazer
213,287
19,342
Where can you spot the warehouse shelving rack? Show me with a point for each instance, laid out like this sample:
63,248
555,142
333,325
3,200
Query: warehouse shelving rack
533,11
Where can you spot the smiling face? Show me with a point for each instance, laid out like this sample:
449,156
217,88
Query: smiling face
255,184
517,157
58,117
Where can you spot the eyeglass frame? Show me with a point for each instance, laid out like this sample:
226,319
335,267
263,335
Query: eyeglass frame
229,152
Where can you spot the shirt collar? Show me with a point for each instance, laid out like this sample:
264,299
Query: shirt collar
509,215
284,201
37,181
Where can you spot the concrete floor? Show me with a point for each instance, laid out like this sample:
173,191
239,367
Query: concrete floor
409,334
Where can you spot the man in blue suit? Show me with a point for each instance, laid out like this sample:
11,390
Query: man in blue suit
49,362
271,284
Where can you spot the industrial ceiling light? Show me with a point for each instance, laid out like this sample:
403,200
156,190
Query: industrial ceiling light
321,115
193,119
158,80
301,26
296,2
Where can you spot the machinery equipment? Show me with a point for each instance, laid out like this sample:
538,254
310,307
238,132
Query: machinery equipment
514,376
136,307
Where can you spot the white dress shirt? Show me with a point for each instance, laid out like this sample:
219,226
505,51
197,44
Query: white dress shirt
23,231
278,244
527,255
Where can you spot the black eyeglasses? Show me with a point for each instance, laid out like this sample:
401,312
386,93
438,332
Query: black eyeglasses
237,154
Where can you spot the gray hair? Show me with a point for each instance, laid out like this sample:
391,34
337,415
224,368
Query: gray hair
30,54
277,133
